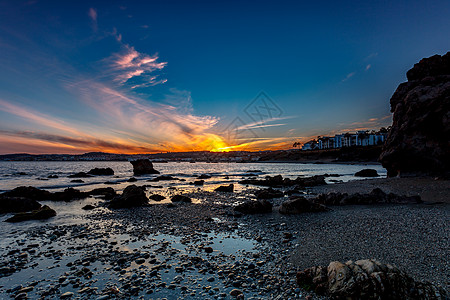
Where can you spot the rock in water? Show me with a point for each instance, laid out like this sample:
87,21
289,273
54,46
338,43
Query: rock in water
225,188
366,279
419,139
132,196
367,173
101,171
254,207
143,166
181,198
42,213
17,204
298,205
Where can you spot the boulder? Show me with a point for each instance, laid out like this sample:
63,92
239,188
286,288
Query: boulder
204,176
278,180
41,213
28,192
254,207
88,207
367,173
68,194
225,188
181,198
17,204
298,205
268,194
143,166
163,177
156,197
366,279
199,182
132,196
101,171
108,193
418,142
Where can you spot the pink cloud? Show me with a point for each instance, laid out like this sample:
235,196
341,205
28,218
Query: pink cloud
92,14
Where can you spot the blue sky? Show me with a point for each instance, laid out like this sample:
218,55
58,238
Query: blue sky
134,76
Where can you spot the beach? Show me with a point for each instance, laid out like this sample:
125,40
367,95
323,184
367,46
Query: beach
207,250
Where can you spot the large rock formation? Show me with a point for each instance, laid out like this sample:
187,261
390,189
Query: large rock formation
366,279
132,196
419,139
41,213
143,166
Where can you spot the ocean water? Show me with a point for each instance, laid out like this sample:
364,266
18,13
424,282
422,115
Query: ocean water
14,174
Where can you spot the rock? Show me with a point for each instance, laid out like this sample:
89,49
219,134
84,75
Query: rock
298,205
199,182
66,295
132,196
278,180
143,166
163,177
101,171
268,194
132,179
181,198
254,207
418,141
366,279
156,197
28,192
52,176
42,213
17,204
68,194
108,193
374,197
204,176
367,173
225,188
236,292
88,207
208,249
80,175
77,181
140,261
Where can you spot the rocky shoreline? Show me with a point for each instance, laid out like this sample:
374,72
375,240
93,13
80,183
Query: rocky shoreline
208,250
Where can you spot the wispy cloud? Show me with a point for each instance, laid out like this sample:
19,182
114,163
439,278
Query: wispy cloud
349,75
92,13
368,67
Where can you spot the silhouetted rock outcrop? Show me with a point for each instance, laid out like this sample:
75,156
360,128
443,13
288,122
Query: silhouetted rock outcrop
143,166
419,139
181,198
101,171
298,205
225,188
254,207
41,213
367,173
366,279
132,196
17,204
278,180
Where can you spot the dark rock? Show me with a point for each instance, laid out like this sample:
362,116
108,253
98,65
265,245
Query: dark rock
132,179
143,166
108,193
42,213
418,141
132,196
77,181
208,249
80,175
199,182
298,205
52,176
181,198
225,188
68,194
156,197
28,192
278,180
204,176
374,197
101,171
17,204
366,279
268,194
111,182
163,177
367,173
254,207
88,207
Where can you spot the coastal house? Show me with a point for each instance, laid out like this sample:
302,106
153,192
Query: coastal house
360,138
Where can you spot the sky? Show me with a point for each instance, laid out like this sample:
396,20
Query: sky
158,76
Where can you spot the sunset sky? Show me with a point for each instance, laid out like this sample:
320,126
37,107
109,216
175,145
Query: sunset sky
152,76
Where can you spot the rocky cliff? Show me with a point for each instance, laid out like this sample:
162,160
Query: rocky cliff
419,141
